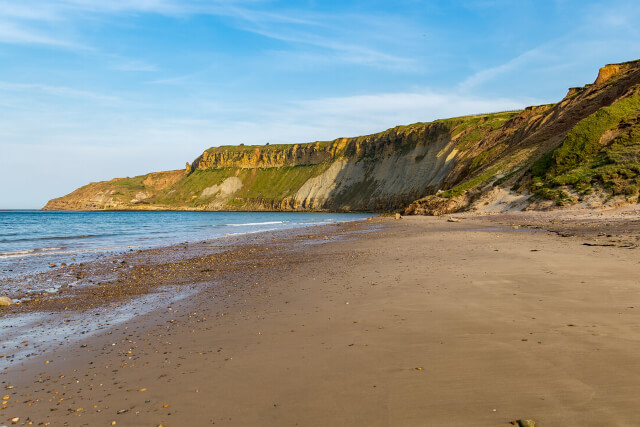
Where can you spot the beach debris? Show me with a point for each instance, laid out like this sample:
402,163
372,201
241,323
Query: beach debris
4,301
452,219
15,420
398,216
524,423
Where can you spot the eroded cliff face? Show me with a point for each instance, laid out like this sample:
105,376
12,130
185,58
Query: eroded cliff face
425,168
267,156
584,150
118,193
384,171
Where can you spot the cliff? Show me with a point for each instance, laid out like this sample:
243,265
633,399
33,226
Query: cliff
584,148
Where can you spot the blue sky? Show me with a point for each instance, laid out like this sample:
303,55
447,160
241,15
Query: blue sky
93,89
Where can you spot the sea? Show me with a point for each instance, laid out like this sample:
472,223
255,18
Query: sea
32,241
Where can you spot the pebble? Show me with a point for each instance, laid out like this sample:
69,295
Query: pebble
4,301
524,423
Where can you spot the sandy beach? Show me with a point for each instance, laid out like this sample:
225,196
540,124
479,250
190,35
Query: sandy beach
414,322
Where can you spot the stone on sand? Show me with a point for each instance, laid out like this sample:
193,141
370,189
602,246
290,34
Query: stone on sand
4,301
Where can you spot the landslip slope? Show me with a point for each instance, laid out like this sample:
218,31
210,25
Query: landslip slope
585,149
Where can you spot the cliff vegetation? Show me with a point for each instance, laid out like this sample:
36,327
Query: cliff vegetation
584,149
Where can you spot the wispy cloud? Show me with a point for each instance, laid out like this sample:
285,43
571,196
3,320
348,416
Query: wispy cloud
349,52
598,31
347,36
496,72
133,65
14,33
355,115
60,91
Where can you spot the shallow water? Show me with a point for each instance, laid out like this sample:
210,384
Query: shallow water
34,241
30,334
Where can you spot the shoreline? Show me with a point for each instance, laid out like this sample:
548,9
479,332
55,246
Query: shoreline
420,321
68,239
109,286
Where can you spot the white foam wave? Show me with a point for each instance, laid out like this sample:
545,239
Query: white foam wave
256,223
27,252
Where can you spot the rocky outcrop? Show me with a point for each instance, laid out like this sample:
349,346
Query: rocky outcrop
610,71
426,168
267,156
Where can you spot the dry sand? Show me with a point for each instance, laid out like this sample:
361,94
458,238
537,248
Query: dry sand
420,322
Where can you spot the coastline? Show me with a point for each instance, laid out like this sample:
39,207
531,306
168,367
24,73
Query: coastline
382,322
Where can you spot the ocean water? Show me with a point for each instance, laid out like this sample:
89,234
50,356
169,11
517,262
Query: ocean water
32,241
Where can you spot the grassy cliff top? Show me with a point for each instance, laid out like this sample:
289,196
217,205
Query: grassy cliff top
451,123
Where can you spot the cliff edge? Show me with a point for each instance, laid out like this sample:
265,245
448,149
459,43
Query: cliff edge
585,149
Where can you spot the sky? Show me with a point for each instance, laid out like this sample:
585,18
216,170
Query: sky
92,89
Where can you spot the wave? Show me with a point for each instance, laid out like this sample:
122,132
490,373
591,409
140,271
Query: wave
245,224
32,239
250,232
23,252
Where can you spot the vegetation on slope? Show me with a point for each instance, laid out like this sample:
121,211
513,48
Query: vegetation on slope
601,151
259,184
589,143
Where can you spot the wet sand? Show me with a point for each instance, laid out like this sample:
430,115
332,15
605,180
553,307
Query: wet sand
380,323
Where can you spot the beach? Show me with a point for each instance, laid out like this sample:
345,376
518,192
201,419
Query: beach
438,321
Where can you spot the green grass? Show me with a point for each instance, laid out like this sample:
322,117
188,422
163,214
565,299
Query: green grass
262,183
267,148
475,128
487,157
183,191
276,183
585,160
460,189
583,141
133,184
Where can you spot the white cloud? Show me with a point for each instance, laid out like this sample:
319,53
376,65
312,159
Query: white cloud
350,38
355,115
14,33
348,52
299,121
60,91
533,56
93,146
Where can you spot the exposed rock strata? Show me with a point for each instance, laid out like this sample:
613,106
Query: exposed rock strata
425,168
